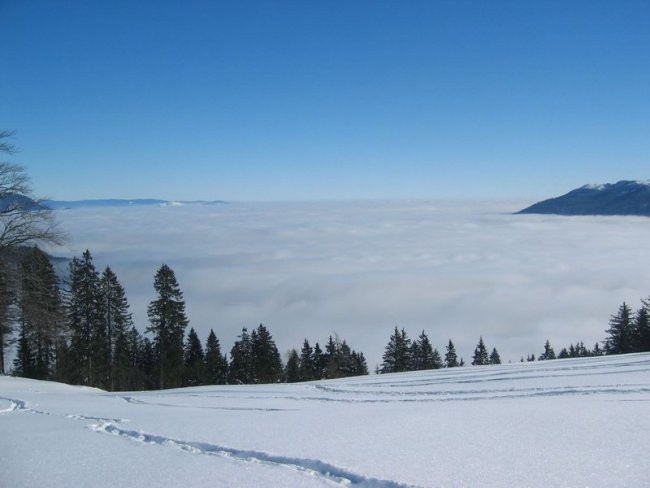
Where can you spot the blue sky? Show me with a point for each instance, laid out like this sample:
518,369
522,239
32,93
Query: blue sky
284,100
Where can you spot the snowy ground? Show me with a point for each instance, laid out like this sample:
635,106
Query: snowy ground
576,422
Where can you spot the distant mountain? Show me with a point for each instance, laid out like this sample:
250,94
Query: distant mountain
622,198
15,200
113,202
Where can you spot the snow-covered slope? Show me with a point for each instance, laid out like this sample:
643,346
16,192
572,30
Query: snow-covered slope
576,422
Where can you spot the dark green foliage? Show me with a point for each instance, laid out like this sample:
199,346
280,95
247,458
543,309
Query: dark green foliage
216,365
241,369
308,363
117,321
451,359
194,373
6,325
548,353
40,316
494,356
85,311
423,355
396,356
292,369
267,364
641,330
563,354
319,360
480,357
619,340
168,322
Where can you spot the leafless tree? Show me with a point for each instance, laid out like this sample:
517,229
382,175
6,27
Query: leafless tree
23,220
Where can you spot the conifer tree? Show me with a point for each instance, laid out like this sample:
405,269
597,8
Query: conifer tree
564,353
40,314
436,360
494,356
319,360
480,357
422,354
292,369
216,365
168,322
6,322
331,358
597,351
307,364
548,353
267,364
396,354
451,359
88,341
360,367
641,331
194,372
241,369
117,320
620,325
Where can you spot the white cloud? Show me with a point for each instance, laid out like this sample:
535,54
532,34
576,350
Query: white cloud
456,270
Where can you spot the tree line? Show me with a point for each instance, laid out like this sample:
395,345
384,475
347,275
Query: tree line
84,334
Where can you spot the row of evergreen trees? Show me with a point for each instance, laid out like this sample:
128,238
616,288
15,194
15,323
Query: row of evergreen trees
85,335
403,354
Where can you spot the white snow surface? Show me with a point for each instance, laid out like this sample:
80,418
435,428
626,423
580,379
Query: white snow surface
576,422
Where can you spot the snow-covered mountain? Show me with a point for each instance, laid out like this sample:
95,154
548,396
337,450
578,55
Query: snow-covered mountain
568,422
622,198
115,202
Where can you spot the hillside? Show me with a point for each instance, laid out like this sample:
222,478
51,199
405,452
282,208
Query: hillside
575,422
622,198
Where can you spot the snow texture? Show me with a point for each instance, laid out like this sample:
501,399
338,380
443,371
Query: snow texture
574,422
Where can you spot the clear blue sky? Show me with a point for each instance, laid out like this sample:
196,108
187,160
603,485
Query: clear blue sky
282,100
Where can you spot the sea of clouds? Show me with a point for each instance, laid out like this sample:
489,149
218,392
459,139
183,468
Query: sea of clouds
307,270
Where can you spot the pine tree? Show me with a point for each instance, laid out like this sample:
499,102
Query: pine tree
641,331
422,354
346,364
360,367
6,322
597,351
331,358
319,359
292,370
451,359
436,360
117,320
24,364
241,369
168,322
564,353
40,314
619,331
548,353
267,364
307,364
216,365
396,355
480,357
194,372
88,342
494,356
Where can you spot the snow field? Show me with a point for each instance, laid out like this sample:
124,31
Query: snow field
575,422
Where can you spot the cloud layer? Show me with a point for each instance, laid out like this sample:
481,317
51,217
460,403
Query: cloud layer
456,270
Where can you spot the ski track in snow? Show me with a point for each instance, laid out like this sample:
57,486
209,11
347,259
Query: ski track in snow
310,467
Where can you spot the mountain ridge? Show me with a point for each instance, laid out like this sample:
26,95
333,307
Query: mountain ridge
625,197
